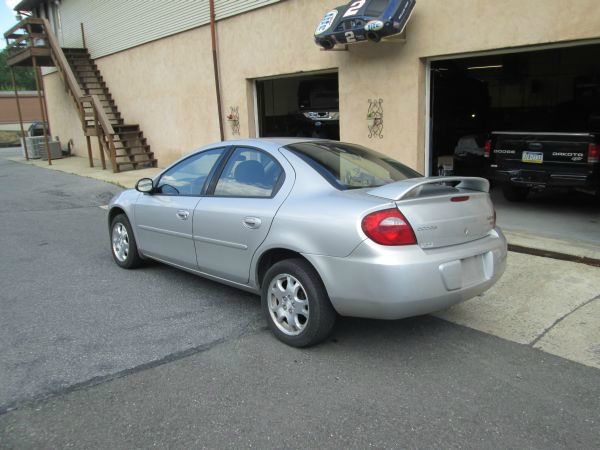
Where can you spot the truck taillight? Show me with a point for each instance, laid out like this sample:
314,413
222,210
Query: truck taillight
593,154
388,227
487,148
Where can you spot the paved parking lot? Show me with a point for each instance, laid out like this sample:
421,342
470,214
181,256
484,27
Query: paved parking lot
95,356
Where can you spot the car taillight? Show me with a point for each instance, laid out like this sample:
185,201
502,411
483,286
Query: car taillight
388,227
487,148
593,154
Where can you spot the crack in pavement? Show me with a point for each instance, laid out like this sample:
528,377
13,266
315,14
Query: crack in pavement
95,381
560,319
106,378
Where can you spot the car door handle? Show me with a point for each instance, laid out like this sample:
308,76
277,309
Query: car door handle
251,222
183,214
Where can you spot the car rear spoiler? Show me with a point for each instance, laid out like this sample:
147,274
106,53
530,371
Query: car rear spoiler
400,190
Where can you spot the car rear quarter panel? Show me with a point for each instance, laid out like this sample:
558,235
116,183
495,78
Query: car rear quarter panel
317,218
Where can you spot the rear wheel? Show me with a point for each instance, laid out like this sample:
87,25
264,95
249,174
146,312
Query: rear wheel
123,245
514,193
327,44
296,305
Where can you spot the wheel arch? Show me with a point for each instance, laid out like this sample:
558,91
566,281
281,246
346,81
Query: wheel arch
113,212
274,255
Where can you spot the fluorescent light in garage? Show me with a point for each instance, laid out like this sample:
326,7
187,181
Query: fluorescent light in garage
499,66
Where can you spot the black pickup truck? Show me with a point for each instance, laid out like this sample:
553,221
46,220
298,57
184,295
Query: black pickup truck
525,161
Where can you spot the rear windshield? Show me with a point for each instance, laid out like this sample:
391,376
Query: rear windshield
349,166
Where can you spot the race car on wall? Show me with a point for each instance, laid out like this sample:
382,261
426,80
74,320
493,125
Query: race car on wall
362,20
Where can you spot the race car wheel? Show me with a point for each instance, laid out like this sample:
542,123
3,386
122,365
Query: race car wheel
373,36
327,44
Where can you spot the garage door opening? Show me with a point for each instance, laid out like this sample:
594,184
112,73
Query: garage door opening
306,106
545,91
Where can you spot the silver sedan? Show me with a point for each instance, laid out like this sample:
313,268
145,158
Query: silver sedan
317,228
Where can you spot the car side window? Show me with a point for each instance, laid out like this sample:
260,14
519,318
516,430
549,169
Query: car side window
189,176
249,173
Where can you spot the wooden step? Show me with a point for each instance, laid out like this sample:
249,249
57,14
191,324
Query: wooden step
137,141
82,65
140,149
148,155
126,127
93,85
137,164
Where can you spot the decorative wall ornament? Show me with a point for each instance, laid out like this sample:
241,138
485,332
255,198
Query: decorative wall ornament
373,22
375,118
234,120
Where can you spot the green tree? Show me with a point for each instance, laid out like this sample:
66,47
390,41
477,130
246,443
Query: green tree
23,75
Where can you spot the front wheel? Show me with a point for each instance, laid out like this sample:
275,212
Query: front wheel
296,305
123,245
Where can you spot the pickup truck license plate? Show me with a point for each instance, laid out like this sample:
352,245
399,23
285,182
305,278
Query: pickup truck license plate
533,157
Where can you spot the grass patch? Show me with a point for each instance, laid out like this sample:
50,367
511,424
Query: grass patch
10,138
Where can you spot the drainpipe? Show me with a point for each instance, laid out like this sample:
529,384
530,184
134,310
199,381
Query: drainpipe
213,35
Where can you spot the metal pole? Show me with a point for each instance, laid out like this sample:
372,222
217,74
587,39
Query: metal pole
213,37
39,85
12,72
82,35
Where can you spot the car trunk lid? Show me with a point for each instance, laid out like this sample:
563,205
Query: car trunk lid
443,211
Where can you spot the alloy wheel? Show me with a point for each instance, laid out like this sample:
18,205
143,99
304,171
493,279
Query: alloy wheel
120,242
288,304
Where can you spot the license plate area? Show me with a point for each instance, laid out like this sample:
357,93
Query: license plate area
472,270
467,272
532,157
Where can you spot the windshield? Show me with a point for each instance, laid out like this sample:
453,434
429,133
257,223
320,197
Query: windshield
349,166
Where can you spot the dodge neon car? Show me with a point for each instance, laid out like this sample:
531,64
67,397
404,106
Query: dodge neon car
317,228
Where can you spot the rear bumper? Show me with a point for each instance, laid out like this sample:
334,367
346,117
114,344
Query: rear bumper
539,178
395,282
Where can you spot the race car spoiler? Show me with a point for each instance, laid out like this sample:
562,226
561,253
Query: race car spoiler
400,190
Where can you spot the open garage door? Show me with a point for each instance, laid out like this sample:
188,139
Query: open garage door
532,95
555,90
306,105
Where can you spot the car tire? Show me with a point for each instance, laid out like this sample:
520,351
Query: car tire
514,193
327,44
122,243
296,305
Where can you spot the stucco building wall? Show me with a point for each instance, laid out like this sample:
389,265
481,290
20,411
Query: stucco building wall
168,87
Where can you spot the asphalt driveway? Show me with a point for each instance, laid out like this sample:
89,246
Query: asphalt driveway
69,314
95,356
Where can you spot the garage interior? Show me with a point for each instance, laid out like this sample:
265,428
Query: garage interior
299,105
550,90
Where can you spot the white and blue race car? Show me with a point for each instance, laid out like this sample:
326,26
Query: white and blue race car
362,20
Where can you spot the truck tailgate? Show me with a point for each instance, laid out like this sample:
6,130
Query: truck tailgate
511,150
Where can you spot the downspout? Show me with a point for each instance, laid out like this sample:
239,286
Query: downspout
213,36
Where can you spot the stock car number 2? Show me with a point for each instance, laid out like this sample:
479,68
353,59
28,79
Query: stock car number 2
353,9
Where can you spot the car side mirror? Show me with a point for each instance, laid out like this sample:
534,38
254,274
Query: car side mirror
145,185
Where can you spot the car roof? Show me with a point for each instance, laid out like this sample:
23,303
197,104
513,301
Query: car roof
279,141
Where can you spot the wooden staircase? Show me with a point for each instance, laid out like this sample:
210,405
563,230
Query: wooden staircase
131,148
32,43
